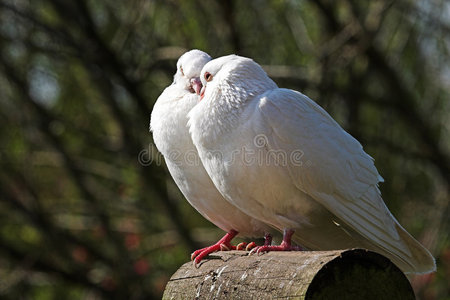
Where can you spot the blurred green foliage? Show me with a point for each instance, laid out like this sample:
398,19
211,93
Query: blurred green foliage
83,212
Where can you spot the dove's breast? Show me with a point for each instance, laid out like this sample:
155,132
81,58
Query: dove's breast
172,138
169,125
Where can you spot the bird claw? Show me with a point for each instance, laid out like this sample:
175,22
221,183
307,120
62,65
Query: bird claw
195,264
268,248
222,245
284,246
245,247
254,250
198,255
250,246
241,246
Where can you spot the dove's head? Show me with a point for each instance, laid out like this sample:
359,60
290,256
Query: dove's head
189,66
234,77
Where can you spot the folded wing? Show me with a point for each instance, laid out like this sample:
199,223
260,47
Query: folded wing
334,170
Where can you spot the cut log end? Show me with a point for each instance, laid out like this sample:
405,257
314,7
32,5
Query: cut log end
341,274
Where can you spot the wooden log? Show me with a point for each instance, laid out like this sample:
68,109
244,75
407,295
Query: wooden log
341,274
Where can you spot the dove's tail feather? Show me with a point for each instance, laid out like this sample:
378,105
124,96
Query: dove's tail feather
403,249
395,242
420,261
384,235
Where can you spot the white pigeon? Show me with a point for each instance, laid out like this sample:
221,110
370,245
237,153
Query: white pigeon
171,136
282,159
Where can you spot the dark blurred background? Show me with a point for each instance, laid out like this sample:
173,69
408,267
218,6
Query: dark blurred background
87,208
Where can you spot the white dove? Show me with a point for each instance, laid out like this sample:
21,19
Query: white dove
282,159
171,136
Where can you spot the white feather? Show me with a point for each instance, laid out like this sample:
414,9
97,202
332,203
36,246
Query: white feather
307,174
170,133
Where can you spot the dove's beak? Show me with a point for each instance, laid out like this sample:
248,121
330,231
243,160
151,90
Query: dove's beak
196,85
202,93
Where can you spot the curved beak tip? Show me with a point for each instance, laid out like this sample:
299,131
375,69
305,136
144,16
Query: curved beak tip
196,85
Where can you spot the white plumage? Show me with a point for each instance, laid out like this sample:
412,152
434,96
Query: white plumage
282,159
171,136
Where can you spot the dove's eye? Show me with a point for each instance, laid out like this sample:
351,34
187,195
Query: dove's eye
181,70
208,76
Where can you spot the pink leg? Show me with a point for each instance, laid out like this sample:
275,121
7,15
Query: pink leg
267,239
284,246
222,245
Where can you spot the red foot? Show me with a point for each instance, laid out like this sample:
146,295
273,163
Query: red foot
284,246
222,245
252,245
244,245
